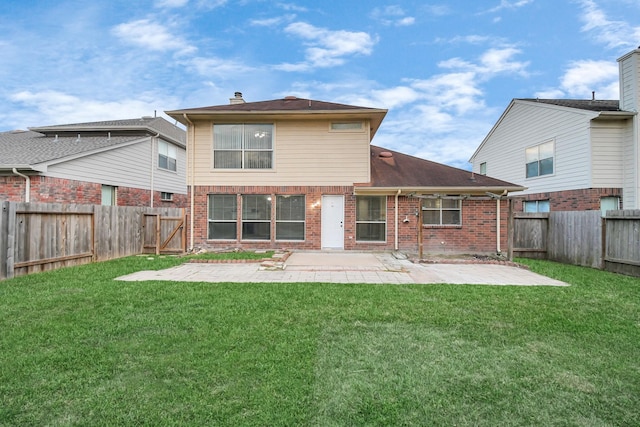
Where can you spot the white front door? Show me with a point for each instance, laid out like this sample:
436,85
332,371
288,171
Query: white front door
332,228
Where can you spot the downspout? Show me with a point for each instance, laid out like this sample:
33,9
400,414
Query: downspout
498,226
27,189
190,177
154,142
498,248
397,222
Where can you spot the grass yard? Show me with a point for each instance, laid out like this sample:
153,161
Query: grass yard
78,348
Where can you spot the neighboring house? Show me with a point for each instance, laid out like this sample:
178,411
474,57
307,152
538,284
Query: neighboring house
301,174
119,162
570,154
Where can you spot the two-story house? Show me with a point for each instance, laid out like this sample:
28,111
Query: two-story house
570,154
301,174
133,162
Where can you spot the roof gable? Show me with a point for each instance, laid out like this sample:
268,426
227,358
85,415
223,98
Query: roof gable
290,107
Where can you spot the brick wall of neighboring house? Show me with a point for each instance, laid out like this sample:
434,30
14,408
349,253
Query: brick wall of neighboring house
58,190
587,199
476,235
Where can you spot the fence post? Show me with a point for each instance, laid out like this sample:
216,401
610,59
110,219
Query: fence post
510,230
603,252
11,239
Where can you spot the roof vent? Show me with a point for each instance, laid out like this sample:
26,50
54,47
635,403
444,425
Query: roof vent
385,154
237,98
290,97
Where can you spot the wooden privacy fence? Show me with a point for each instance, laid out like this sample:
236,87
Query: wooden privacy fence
37,236
581,238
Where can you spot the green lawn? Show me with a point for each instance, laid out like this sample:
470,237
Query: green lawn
78,348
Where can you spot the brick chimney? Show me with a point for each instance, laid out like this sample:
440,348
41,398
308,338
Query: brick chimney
237,98
629,66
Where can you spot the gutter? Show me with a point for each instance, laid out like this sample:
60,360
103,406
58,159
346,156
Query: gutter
27,190
191,178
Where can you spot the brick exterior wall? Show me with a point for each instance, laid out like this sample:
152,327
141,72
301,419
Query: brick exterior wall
476,235
587,199
46,189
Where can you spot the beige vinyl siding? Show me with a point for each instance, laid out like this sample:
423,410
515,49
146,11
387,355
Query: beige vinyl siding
528,124
630,83
607,152
630,165
124,166
305,153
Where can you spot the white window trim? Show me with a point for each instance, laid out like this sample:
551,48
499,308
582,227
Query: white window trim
553,141
361,129
303,221
374,222
170,147
440,209
242,169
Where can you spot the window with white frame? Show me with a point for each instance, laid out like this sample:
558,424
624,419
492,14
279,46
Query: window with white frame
371,218
443,211
347,127
290,217
483,168
537,206
243,146
611,203
167,155
166,197
109,195
539,159
223,215
256,217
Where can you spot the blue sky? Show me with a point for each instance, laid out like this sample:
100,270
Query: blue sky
446,70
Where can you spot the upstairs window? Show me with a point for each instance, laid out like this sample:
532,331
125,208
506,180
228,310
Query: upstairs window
540,159
167,155
483,168
243,146
347,127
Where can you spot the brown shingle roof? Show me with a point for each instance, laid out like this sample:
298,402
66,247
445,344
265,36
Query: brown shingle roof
391,169
289,103
290,107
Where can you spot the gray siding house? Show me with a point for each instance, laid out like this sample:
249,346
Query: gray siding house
570,154
133,162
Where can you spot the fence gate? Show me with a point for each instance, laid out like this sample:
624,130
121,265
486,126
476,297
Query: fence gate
164,234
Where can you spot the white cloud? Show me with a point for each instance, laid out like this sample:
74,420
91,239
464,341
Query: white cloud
54,107
327,48
613,34
291,6
392,15
151,35
272,22
583,77
218,67
510,4
171,3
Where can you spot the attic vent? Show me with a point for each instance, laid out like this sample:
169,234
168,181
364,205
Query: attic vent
385,154
290,97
